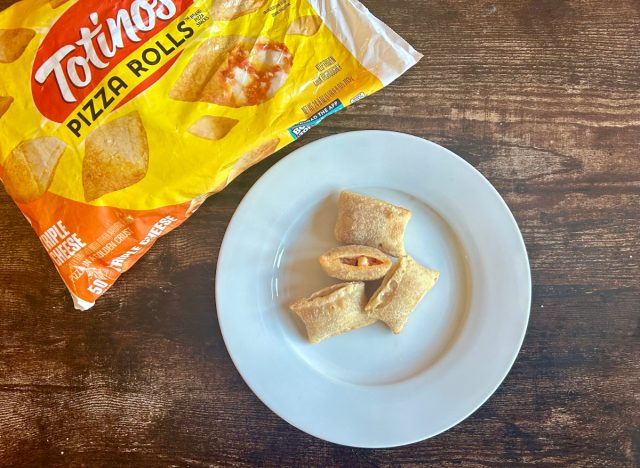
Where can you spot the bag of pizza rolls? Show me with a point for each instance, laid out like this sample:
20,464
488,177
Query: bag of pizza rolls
119,118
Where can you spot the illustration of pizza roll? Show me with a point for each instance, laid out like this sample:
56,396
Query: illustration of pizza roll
212,127
225,10
116,156
57,3
253,157
333,311
234,71
404,286
305,26
368,221
5,103
355,263
13,43
29,168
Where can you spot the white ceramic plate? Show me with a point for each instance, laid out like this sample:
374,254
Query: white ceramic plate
371,388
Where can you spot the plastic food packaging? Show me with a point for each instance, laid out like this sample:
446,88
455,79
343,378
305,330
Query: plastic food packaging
119,118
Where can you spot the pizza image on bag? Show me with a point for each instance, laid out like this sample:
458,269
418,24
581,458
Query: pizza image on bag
234,71
231,9
212,127
305,26
28,171
116,156
5,103
13,43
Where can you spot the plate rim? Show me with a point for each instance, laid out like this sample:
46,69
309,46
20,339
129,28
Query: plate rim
505,206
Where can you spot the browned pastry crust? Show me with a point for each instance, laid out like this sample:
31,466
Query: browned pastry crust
333,311
368,221
402,289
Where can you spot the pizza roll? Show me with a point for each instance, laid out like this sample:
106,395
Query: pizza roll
212,127
234,71
29,168
402,289
116,156
355,263
333,311
225,10
13,43
5,103
305,26
369,221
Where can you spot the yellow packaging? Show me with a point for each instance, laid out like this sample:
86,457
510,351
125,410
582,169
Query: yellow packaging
119,118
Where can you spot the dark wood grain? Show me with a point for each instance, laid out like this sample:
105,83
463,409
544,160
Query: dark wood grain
543,96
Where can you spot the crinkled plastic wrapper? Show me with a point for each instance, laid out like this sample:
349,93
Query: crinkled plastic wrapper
119,118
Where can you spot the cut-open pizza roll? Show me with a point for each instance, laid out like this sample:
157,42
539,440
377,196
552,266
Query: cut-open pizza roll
225,10
29,168
234,71
13,43
402,289
333,311
116,156
355,263
369,221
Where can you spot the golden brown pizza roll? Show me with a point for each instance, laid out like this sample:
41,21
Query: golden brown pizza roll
212,127
333,311
116,156
355,263
5,103
13,43
225,10
402,289
253,157
305,25
369,221
234,71
29,168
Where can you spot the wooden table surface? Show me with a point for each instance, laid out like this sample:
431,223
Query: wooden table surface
543,97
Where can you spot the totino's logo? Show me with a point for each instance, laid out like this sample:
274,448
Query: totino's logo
88,41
